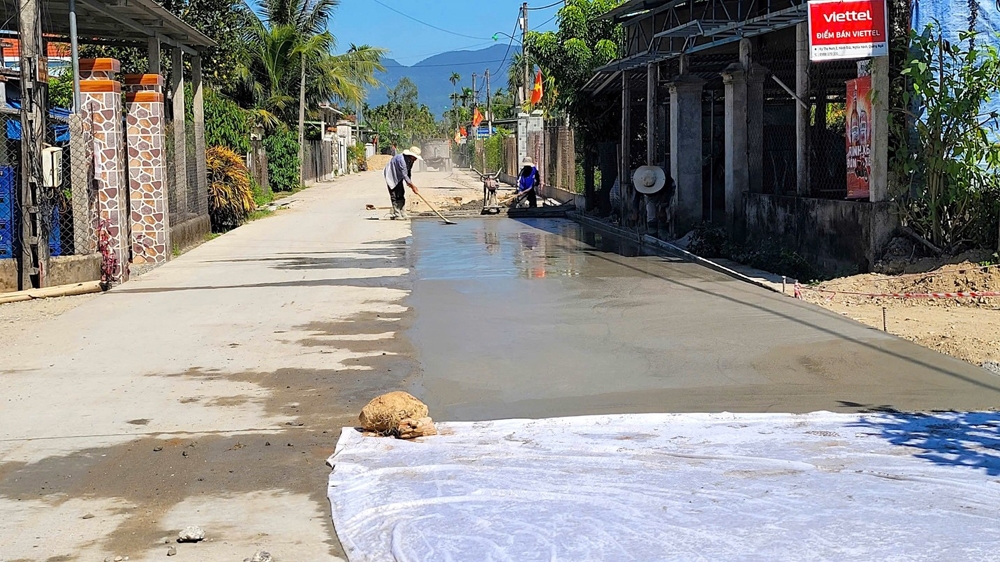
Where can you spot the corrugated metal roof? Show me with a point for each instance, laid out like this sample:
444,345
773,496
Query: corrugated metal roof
132,21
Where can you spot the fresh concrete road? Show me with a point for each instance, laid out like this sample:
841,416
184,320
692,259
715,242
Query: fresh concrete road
210,391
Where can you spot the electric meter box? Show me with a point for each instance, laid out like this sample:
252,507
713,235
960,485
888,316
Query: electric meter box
52,166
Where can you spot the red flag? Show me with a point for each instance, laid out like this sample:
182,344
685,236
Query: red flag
536,94
463,132
477,118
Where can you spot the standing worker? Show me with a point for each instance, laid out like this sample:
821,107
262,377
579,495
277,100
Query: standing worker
527,181
397,173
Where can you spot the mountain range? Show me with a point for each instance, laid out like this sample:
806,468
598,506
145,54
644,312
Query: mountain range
431,75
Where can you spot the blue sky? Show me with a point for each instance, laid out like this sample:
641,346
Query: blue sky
409,42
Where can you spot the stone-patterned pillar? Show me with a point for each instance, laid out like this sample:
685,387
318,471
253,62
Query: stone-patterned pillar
148,200
101,106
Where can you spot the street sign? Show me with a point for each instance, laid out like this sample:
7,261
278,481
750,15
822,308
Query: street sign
847,29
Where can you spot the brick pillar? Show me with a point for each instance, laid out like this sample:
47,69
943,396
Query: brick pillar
147,169
102,108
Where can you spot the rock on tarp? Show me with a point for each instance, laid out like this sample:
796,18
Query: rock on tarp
675,487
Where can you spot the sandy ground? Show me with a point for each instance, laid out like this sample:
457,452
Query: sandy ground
967,328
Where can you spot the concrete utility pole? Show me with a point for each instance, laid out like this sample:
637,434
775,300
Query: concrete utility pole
524,51
489,103
34,228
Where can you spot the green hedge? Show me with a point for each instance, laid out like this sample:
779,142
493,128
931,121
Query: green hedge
282,148
226,123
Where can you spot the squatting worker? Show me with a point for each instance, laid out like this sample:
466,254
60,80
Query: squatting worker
528,180
397,173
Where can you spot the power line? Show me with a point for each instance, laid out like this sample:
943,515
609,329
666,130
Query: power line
511,43
432,26
552,5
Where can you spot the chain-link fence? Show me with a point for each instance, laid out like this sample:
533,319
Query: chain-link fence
61,212
187,192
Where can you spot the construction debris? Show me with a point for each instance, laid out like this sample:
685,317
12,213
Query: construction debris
385,413
191,534
260,556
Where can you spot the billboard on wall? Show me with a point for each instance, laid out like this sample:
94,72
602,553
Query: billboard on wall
859,137
847,29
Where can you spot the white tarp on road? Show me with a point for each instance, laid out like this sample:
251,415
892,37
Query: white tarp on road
676,487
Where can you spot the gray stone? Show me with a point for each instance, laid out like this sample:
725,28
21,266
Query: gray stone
260,556
171,551
191,534
992,366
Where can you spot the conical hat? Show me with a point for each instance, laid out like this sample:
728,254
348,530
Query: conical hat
649,179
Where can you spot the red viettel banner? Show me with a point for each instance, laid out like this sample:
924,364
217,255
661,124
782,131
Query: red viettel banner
859,137
849,29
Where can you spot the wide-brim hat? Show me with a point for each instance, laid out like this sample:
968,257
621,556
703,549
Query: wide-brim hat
527,162
649,179
414,152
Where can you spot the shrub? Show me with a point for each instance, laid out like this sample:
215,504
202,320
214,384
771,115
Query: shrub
282,147
226,123
230,192
356,156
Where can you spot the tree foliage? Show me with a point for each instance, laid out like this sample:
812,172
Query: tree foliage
950,164
282,147
402,120
569,56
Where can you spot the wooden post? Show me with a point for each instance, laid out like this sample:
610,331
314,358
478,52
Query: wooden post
34,259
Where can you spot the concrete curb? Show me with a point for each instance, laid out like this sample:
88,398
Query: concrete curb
647,240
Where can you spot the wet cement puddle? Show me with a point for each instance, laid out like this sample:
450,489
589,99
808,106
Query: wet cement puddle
543,317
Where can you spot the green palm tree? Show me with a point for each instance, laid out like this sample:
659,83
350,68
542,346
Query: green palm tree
288,51
455,78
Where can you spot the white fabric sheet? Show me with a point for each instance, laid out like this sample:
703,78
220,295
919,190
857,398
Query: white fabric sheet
676,487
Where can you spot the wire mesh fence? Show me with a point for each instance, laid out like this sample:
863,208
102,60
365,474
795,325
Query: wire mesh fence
186,184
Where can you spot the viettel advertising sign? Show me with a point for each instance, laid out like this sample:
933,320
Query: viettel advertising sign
848,29
859,137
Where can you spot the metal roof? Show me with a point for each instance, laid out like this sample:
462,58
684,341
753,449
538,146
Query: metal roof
126,21
698,35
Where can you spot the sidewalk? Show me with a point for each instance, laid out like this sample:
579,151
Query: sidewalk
209,392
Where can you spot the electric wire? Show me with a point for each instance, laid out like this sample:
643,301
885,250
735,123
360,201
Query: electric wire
432,26
552,5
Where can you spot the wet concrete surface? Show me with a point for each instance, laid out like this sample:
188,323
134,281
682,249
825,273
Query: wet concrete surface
542,318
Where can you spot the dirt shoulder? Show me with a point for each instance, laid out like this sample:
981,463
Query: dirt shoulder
965,328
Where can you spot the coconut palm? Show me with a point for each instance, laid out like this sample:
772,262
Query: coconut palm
455,78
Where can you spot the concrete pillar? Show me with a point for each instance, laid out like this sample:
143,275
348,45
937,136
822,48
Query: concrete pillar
536,143
101,106
148,200
625,163
879,181
802,117
179,133
652,88
153,55
755,77
686,150
737,169
522,138
198,108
